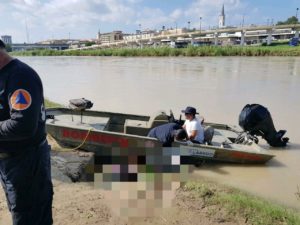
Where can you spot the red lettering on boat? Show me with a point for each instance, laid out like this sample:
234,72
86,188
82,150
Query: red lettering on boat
66,133
242,155
94,137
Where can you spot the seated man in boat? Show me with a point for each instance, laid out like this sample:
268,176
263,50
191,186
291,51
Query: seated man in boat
193,126
167,133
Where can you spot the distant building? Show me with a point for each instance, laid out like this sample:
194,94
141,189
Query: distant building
174,31
110,37
98,35
222,18
54,41
140,35
6,39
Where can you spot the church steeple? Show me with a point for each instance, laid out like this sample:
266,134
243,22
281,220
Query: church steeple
99,35
222,17
223,11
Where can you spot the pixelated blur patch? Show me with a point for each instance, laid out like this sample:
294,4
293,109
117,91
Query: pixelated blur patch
140,181
124,164
20,100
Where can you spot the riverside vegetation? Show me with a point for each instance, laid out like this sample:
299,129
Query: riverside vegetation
238,204
191,51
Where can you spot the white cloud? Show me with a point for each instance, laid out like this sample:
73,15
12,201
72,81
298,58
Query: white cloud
57,14
209,10
150,18
84,17
176,14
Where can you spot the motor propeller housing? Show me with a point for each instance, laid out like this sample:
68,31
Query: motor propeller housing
80,104
256,119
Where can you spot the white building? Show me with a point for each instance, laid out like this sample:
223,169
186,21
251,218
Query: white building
222,18
6,39
141,35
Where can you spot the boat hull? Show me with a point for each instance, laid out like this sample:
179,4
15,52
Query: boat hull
110,135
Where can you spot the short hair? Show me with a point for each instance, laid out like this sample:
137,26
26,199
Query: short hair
180,134
2,45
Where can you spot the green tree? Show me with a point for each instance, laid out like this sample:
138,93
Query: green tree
291,20
87,44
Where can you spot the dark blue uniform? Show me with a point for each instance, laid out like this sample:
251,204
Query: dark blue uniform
24,152
164,133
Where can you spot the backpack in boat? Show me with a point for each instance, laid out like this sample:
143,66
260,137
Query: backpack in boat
80,104
256,119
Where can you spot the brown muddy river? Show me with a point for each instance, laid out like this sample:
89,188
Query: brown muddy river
218,87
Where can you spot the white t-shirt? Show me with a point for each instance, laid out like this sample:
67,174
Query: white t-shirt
195,125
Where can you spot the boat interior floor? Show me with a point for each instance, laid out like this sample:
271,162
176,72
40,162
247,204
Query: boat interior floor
85,122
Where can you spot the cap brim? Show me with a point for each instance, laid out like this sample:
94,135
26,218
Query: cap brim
183,111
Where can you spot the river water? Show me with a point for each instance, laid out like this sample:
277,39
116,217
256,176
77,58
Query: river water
218,87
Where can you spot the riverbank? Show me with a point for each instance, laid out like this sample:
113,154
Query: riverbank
50,104
280,50
200,201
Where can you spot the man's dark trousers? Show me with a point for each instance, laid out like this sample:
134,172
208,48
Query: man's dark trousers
26,179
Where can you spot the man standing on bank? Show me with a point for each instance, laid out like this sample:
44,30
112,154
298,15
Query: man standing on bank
24,152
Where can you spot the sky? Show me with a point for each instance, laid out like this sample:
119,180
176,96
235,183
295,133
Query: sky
81,19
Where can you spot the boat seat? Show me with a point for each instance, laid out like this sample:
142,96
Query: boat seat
208,134
142,128
218,139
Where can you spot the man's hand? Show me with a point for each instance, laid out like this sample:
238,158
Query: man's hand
201,120
189,143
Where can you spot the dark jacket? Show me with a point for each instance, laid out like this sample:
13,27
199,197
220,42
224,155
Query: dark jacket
22,112
164,133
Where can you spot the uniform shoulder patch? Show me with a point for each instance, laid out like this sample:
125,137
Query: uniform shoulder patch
20,99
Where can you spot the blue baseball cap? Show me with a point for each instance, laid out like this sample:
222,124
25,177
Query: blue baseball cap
190,110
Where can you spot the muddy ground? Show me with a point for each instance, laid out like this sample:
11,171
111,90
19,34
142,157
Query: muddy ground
80,203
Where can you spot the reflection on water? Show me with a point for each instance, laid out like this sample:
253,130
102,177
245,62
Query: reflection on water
217,87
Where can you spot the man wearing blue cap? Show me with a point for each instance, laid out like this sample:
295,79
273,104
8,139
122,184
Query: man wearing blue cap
193,126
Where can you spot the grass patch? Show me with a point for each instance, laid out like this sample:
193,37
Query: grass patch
50,104
236,203
276,50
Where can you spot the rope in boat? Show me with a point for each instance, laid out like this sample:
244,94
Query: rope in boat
84,140
79,146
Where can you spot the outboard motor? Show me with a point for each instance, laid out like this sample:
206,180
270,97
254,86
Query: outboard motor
80,104
257,120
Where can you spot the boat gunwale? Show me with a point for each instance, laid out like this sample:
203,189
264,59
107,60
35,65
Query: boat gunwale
102,131
94,113
228,149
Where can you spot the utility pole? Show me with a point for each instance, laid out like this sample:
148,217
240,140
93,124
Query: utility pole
243,21
27,33
200,23
176,27
140,27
